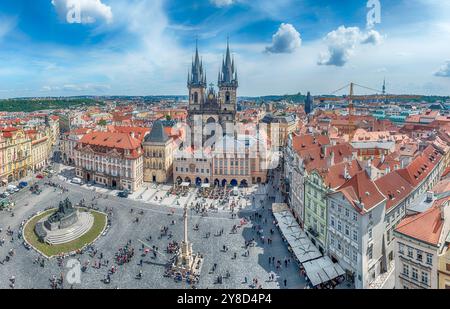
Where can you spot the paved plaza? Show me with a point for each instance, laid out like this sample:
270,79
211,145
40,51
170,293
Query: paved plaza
151,218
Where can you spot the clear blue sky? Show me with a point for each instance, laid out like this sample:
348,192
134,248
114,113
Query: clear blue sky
144,47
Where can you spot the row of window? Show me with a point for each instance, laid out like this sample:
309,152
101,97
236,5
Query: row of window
346,211
419,256
345,249
232,172
415,274
344,228
197,170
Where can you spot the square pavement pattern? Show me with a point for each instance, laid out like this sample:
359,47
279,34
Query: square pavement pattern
29,274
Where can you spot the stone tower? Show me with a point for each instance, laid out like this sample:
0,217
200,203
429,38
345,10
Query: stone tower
196,83
228,83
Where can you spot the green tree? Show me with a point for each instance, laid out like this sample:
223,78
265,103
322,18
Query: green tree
102,122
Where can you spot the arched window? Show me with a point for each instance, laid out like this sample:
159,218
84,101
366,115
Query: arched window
227,97
196,98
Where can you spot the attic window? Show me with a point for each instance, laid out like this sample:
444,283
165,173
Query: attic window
367,193
118,141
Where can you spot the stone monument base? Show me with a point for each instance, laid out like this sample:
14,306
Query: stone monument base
60,236
190,271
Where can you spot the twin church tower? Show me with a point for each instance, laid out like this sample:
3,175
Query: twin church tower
204,102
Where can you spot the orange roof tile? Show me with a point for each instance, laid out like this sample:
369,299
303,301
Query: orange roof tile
362,189
111,140
425,226
394,187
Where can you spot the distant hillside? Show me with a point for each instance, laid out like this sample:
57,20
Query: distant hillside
32,105
295,98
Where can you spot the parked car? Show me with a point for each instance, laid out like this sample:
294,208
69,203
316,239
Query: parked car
4,194
77,181
23,184
40,176
123,194
12,188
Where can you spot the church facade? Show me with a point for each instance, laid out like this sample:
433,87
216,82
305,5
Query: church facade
206,106
231,158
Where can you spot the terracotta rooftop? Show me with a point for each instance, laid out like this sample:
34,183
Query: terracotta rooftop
394,187
421,166
425,226
341,152
139,132
336,174
111,140
304,142
360,189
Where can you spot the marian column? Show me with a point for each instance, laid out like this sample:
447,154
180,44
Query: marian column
186,247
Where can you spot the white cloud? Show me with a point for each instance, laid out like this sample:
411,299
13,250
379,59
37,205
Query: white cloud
83,11
372,37
83,88
285,41
444,70
343,42
222,3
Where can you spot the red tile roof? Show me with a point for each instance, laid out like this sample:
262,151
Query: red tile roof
425,226
394,187
341,152
111,140
334,175
421,166
139,132
304,142
361,189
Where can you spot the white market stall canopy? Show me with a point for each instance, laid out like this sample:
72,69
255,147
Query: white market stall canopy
318,268
185,184
322,270
206,185
301,245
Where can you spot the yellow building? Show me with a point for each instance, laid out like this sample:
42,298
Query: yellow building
279,127
41,144
16,155
444,266
158,155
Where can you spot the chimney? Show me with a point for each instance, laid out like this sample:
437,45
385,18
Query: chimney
382,158
332,158
132,134
346,174
369,168
430,196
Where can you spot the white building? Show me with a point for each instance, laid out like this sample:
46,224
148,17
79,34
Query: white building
355,229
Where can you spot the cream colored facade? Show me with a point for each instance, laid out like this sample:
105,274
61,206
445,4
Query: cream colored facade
158,161
279,128
415,264
192,169
16,155
40,152
444,266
